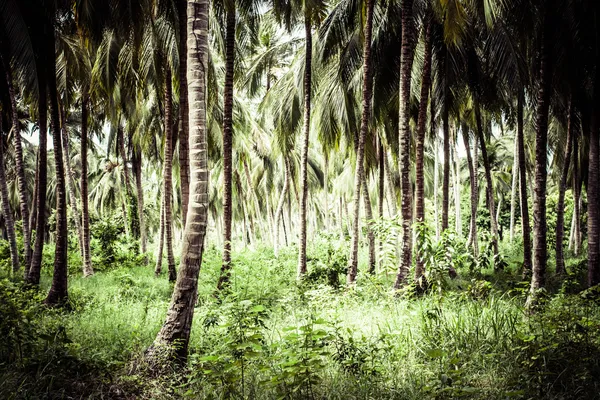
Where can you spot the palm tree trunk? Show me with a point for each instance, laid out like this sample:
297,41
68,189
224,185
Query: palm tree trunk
421,125
137,167
58,290
22,185
406,61
446,172
167,175
472,239
562,187
369,223
523,187
305,143
391,187
488,178
359,176
436,180
381,187
326,190
161,237
123,155
576,199
184,126
513,191
85,213
279,211
593,191
178,323
8,217
227,147
540,250
456,172
33,276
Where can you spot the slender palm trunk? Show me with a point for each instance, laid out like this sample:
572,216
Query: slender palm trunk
33,275
227,147
305,142
436,181
513,191
421,125
8,217
359,175
472,240
184,126
523,188
489,190
391,187
137,168
279,211
381,187
326,190
161,238
58,291
178,323
446,172
576,230
168,175
85,212
540,250
456,172
560,205
406,61
369,224
22,185
127,192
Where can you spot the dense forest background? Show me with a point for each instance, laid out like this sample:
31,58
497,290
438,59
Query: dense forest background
300,199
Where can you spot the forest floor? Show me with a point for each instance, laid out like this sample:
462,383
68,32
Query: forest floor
270,337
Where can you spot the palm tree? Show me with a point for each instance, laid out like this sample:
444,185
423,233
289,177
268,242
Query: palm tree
178,323
562,187
85,212
184,126
167,175
7,214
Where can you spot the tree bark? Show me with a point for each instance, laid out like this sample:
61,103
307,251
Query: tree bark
540,251
456,171
305,144
406,61
227,147
123,155
576,199
22,185
562,187
359,176
593,191
472,240
279,211
446,172
369,223
168,175
421,125
85,213
523,187
184,126
137,167
58,291
177,326
161,237
513,191
8,217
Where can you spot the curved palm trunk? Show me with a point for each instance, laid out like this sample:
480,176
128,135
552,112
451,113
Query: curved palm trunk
184,126
279,211
406,61
540,251
58,290
177,326
305,136
560,205
472,240
85,212
22,185
523,188
421,125
227,148
359,175
8,217
489,190
167,176
33,275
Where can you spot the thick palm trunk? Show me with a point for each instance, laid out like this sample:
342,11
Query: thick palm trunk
421,125
446,167
22,185
279,211
8,217
472,240
304,142
406,61
184,126
593,191
489,190
58,290
167,175
227,147
33,275
137,167
523,188
177,326
540,251
85,212
359,178
562,187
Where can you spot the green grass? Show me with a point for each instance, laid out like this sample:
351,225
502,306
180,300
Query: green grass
274,338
